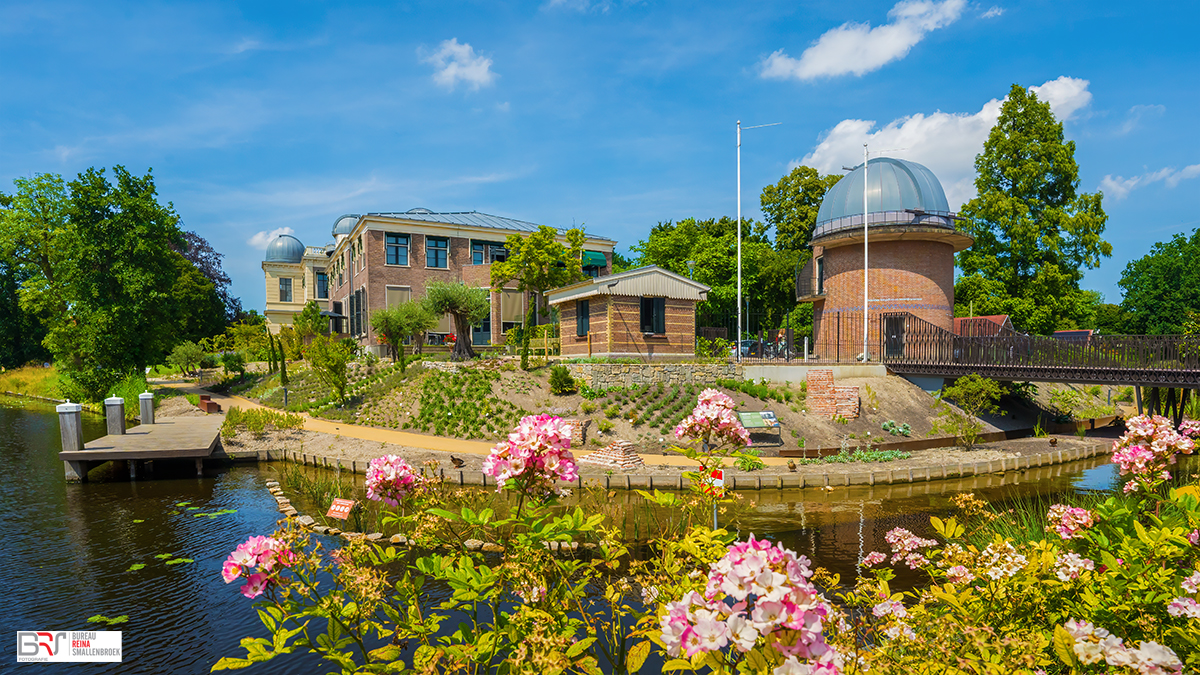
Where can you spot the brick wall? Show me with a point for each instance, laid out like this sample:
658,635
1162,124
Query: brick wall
826,399
906,276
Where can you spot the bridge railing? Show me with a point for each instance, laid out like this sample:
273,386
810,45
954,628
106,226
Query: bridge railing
907,339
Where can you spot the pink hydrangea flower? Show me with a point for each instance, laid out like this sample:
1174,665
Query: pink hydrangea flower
890,608
1069,566
713,421
1187,607
874,558
1068,521
257,552
905,545
390,479
1194,537
1149,446
959,575
534,457
756,590
255,584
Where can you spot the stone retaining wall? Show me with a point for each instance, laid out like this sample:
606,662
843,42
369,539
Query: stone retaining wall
613,375
865,476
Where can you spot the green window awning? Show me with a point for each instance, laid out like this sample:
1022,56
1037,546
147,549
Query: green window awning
594,259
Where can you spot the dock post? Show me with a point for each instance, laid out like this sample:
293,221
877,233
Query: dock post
70,426
114,412
133,469
199,467
146,407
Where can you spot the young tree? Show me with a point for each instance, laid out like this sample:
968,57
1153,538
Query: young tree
406,320
791,206
309,321
272,356
328,359
1034,232
467,305
233,362
974,396
538,262
186,356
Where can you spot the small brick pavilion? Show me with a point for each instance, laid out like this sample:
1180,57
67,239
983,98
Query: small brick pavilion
647,313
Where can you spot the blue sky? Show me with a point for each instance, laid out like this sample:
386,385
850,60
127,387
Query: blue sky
262,116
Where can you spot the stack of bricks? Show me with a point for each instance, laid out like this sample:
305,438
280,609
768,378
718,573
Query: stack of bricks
617,455
578,432
827,400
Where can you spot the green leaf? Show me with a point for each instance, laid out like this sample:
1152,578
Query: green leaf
230,663
182,503
1064,646
637,656
107,621
177,561
164,556
135,567
139,521
677,664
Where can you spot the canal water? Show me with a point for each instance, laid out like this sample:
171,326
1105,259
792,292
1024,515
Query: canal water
68,549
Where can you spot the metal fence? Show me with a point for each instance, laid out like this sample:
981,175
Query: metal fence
911,345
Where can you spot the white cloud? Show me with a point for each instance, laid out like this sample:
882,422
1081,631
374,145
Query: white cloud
261,239
1119,187
454,63
858,48
1136,114
992,13
945,142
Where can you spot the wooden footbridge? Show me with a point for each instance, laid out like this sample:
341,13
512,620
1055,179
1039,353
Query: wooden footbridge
909,345
195,438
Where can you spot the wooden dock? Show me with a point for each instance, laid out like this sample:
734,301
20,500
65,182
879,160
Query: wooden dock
168,438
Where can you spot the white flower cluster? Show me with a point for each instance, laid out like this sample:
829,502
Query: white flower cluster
1069,566
1094,644
999,561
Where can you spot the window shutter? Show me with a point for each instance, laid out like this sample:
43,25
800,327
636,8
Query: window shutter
660,315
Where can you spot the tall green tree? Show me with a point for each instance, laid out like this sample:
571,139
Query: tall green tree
201,309
467,305
791,206
1163,286
406,320
21,333
538,262
115,277
34,222
1034,232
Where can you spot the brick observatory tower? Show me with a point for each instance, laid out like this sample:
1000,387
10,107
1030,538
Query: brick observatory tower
911,242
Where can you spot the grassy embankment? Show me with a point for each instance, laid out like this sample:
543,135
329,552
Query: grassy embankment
31,381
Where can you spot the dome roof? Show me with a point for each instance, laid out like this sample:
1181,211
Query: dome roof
896,186
286,249
344,224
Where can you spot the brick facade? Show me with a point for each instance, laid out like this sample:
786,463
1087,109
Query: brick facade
626,337
827,400
913,276
373,275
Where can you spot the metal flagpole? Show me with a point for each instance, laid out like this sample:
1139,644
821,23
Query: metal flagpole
737,341
866,293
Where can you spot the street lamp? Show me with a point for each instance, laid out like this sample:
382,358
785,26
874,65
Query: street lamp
738,337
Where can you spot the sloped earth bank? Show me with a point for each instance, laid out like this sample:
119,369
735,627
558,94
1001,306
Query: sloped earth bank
356,450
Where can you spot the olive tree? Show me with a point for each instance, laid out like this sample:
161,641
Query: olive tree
466,304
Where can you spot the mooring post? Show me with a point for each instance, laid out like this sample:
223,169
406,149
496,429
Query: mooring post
199,467
114,412
146,407
70,426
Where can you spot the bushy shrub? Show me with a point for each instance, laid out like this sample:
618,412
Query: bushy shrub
561,382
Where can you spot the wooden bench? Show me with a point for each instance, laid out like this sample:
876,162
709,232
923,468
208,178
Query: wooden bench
208,405
762,420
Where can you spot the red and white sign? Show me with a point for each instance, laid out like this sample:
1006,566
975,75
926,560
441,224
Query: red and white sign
714,482
340,508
